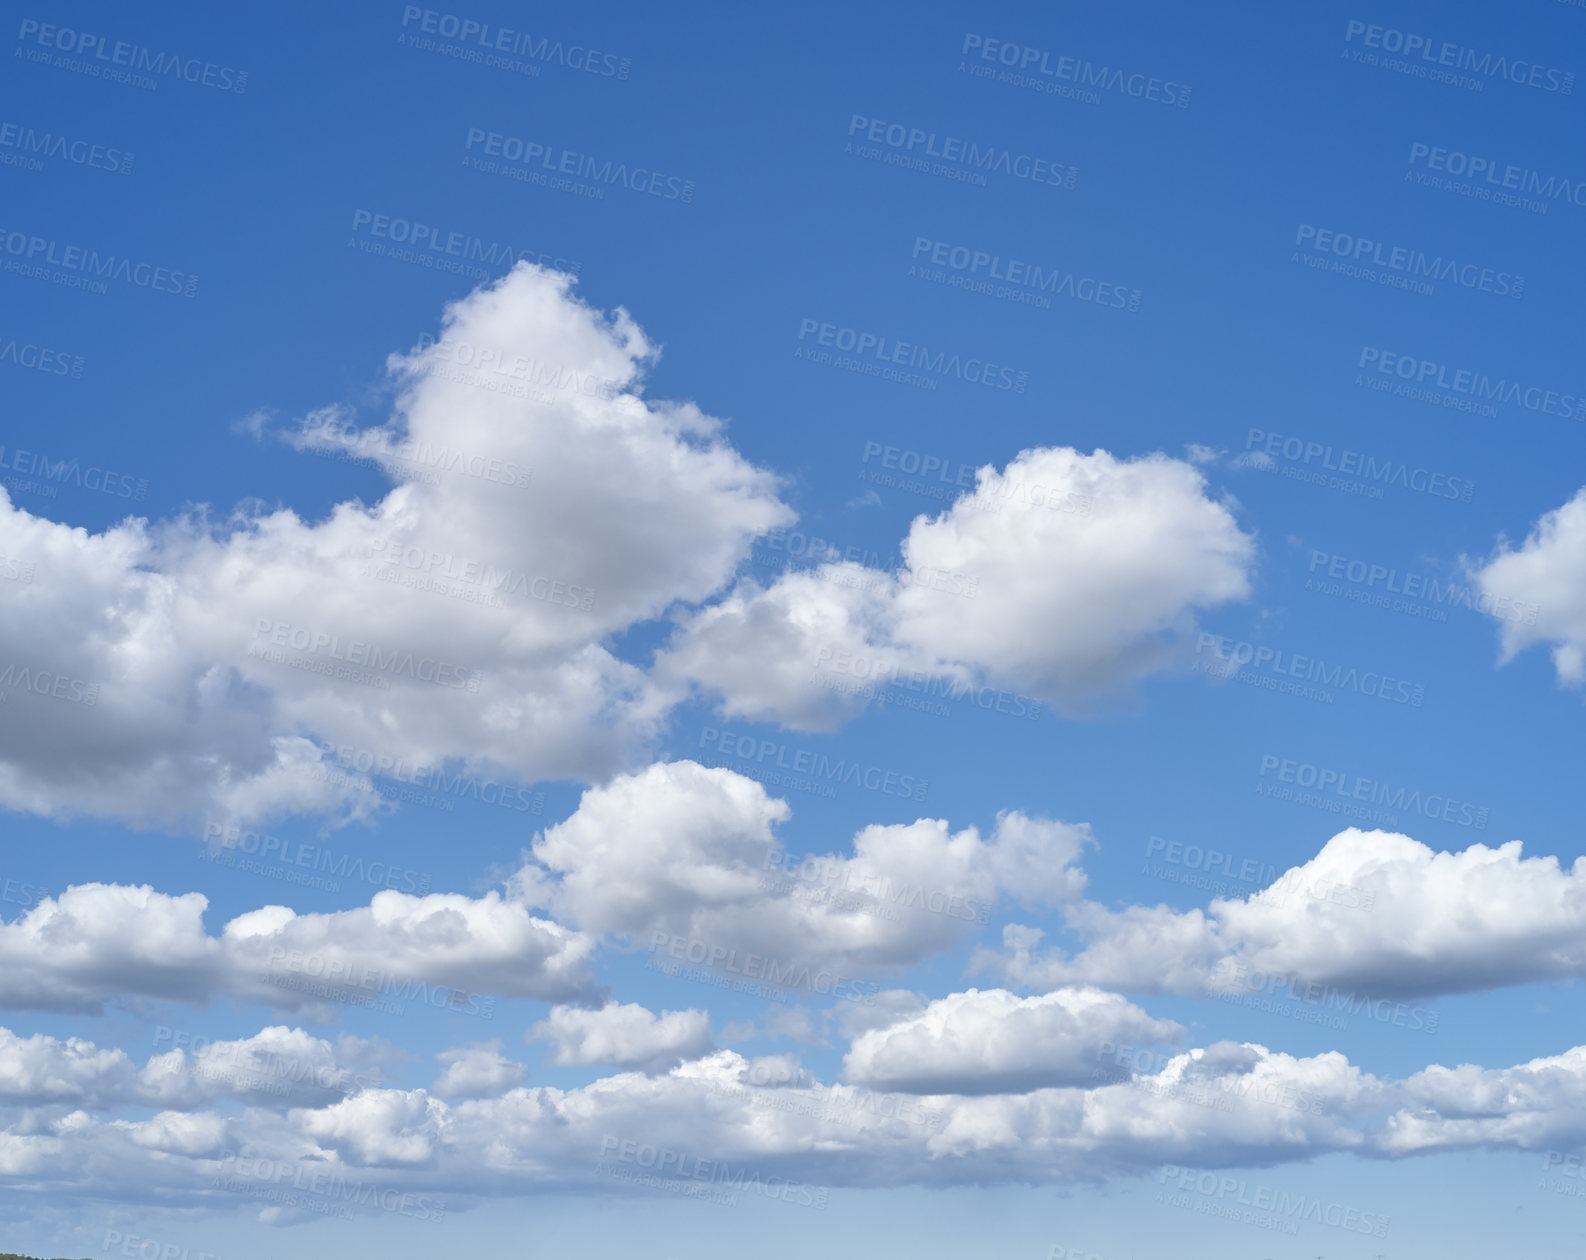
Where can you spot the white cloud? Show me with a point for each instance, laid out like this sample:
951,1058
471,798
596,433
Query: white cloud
1071,604
765,651
993,1042
1223,1105
1537,592
387,1126
477,1071
891,1006
625,1036
97,942
42,1069
169,672
705,871
277,1066
1531,1106
140,684
1373,916
1209,1108
1064,576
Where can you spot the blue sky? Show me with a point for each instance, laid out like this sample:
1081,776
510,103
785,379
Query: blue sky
1239,496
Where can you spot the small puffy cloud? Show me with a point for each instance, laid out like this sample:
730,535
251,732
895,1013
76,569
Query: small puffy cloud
277,1066
768,652
99,942
477,1071
890,1006
1064,576
1532,1106
1374,915
993,1042
1089,587
1537,591
471,945
387,1126
42,1069
625,1036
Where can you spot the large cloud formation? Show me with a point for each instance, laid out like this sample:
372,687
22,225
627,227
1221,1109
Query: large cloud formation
158,672
541,506
703,873
1220,1106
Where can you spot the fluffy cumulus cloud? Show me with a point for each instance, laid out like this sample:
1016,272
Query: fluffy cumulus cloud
276,1066
624,1035
1532,1106
41,1069
392,1127
702,877
994,1042
97,942
159,672
1063,576
1375,916
477,1071
1537,591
